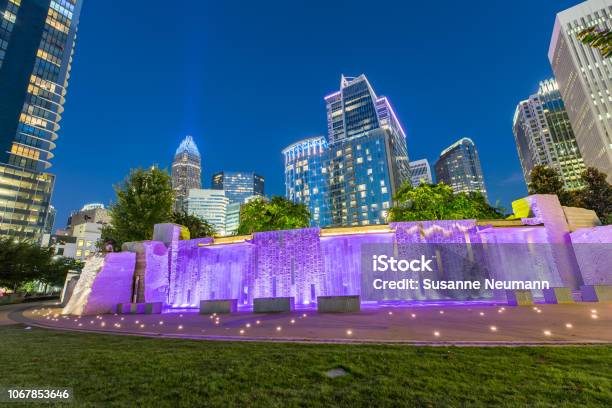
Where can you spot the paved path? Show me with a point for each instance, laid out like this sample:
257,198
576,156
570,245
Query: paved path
6,310
583,323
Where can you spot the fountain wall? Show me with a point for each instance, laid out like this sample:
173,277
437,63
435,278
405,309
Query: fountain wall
307,263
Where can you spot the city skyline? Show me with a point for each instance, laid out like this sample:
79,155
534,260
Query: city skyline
194,103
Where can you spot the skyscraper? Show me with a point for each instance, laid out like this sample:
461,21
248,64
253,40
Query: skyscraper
585,81
350,177
238,186
306,177
37,41
210,205
459,167
186,172
420,172
544,135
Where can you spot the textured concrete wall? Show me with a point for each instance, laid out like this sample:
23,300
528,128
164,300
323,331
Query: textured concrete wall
105,281
151,270
593,247
580,218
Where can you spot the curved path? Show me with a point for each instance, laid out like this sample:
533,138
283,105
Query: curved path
583,323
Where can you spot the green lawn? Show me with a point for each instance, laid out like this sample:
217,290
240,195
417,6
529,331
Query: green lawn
142,372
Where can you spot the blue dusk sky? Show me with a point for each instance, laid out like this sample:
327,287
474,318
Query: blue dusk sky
247,78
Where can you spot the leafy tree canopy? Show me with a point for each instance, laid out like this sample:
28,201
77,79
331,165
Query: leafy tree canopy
438,202
596,194
26,261
277,214
144,198
598,38
198,228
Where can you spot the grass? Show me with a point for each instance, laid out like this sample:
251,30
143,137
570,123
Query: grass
106,370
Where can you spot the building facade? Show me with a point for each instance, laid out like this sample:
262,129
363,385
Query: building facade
186,172
238,186
349,178
459,167
210,205
37,41
232,218
50,221
585,81
544,135
306,177
94,213
420,172
83,231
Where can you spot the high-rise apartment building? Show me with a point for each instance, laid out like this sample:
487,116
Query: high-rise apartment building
459,167
420,172
585,81
210,205
544,135
186,172
350,177
37,39
238,185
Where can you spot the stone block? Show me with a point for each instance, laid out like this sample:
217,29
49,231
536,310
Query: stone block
273,305
596,293
219,306
139,308
558,295
519,297
338,304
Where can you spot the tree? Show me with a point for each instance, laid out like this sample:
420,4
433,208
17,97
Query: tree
438,202
198,228
598,38
277,214
144,198
546,180
26,261
597,194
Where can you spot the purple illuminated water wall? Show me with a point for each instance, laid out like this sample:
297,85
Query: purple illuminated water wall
302,264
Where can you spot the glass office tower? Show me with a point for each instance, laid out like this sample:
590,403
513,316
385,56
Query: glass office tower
238,185
544,135
459,167
350,177
420,172
585,80
37,39
186,172
306,177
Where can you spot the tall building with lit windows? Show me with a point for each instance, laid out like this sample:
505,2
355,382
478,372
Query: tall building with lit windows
306,177
459,167
238,185
350,177
186,172
585,80
37,39
420,172
210,205
544,135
